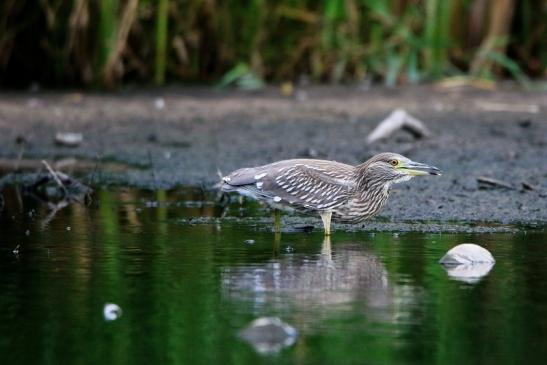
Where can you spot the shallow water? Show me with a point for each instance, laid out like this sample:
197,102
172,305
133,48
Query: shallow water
187,289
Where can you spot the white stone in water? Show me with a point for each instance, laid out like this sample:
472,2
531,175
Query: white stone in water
111,311
277,199
269,334
467,253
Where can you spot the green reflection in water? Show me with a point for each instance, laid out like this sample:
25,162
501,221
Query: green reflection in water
186,289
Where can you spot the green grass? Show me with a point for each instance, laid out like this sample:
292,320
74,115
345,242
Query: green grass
107,26
161,41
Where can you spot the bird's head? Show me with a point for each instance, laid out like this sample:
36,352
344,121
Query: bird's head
393,168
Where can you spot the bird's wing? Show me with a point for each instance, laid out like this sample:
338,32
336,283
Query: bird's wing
309,184
314,186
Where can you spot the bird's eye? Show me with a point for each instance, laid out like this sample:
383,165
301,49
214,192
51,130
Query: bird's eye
393,162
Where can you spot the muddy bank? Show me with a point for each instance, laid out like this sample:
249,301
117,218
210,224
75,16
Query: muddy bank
184,136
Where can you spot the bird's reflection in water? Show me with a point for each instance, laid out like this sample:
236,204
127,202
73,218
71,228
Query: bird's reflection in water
345,273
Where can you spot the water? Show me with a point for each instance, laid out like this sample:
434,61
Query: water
186,289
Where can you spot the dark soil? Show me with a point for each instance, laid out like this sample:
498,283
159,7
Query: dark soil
199,132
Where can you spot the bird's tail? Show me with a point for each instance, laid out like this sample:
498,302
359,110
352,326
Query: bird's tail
222,185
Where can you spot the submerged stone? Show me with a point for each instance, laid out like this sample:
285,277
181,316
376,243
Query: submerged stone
269,334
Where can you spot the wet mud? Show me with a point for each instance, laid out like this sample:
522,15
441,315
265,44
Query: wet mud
185,137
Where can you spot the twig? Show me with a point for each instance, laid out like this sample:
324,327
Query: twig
487,182
91,177
154,177
19,157
54,175
512,108
527,186
54,208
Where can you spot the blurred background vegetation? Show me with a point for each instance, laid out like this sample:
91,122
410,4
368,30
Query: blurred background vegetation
109,43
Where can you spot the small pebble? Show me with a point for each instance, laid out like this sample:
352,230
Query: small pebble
20,140
159,103
111,311
301,96
525,123
34,103
249,242
68,139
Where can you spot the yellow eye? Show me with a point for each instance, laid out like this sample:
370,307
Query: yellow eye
394,162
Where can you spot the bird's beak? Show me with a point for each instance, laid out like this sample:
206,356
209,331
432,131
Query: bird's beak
417,169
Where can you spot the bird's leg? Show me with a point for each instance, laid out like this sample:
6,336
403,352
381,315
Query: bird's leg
325,217
277,221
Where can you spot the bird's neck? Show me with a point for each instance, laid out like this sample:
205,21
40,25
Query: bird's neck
369,183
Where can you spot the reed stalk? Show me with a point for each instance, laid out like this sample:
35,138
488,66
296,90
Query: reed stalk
392,41
161,42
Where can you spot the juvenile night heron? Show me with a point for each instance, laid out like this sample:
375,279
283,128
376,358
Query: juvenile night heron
343,193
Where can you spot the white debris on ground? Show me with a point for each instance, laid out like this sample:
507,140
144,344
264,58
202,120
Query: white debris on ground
398,119
69,139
